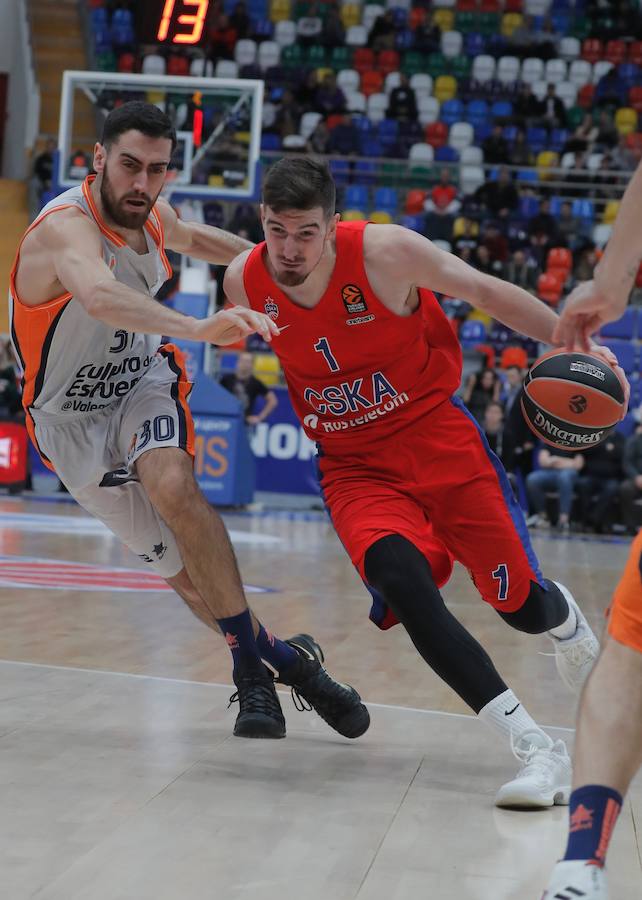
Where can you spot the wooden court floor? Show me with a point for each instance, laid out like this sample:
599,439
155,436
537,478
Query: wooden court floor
120,780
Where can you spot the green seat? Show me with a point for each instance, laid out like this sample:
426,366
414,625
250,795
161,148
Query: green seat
106,61
580,28
292,55
575,116
316,56
488,24
413,62
460,66
422,177
392,174
341,58
466,22
437,65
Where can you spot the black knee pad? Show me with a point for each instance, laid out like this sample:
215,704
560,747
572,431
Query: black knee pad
398,570
544,608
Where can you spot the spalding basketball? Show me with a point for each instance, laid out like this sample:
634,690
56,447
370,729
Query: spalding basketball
572,400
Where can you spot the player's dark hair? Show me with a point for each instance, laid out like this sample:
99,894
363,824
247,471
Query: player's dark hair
300,182
138,116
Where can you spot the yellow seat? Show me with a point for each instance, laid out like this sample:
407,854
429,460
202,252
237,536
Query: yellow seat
380,218
626,120
215,181
445,18
279,10
546,160
267,368
350,15
322,72
155,97
445,88
353,215
610,212
478,316
243,137
458,227
510,22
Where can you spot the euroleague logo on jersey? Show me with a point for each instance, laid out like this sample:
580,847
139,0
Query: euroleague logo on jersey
353,299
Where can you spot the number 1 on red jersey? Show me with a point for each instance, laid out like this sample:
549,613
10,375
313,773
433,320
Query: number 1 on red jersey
322,346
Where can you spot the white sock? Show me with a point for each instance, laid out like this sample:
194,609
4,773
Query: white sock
568,628
506,715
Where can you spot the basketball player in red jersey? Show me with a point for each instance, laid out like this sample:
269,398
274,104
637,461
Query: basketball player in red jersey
608,748
372,366
107,407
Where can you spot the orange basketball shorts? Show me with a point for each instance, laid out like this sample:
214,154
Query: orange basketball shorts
625,618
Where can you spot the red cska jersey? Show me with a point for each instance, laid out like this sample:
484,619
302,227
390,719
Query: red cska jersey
356,372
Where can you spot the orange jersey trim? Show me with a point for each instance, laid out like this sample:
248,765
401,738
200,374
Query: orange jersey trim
181,391
154,226
109,234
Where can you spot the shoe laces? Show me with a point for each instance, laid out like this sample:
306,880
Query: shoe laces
254,694
579,650
535,760
321,692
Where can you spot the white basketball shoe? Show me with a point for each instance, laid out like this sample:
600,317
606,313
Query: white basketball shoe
575,656
577,879
545,776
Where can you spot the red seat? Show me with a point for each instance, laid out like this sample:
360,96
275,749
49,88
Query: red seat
635,98
416,18
559,258
177,65
388,61
371,82
585,96
467,5
363,59
415,200
549,288
436,134
635,52
615,52
126,62
490,6
514,6
592,50
634,141
334,120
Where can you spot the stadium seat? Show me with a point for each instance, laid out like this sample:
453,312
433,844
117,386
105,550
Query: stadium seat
580,72
377,104
470,178
532,70
350,14
471,333
600,68
560,259
461,135
601,234
353,215
471,156
624,328
549,288
309,122
370,14
483,68
356,197
451,43
444,18
626,120
446,154
363,59
153,64
269,54
501,109
279,10
567,92
414,222
445,88
536,138
371,82
546,160
428,109
436,134
356,36
415,200
356,102
583,209
380,217
592,50
388,61
555,70
625,352
451,111
285,33
610,212
245,52
615,52
393,80
508,69
569,48
421,83
226,68
348,80
421,152
510,22
635,53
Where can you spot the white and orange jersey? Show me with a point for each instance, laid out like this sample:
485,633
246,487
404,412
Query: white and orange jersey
73,364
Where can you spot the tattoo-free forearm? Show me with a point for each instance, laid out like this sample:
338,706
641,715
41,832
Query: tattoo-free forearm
617,269
518,309
118,305
215,245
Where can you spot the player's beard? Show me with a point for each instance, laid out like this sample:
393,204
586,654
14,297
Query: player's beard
288,278
117,213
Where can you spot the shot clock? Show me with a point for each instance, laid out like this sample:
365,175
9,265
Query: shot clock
179,22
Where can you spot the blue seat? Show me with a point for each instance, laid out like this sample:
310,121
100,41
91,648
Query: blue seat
102,40
471,333
365,173
270,141
630,73
386,200
627,426
557,139
561,22
340,169
584,209
414,223
625,327
227,361
452,111
482,131
477,112
356,197
555,205
446,154
122,17
527,175
122,35
404,39
528,207
626,353
536,138
400,16
262,29
510,133
98,18
501,109
363,124
474,44
388,131
372,147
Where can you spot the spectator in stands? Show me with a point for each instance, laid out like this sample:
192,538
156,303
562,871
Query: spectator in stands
496,244
329,98
624,158
247,389
319,140
583,137
482,388
344,138
443,197
607,135
493,425
526,107
604,180
521,269
334,33
552,112
578,175
499,196
631,488
518,438
222,37
495,147
610,90
288,115
10,402
558,471
382,33
245,219
43,166
543,224
306,92
483,263
569,227
585,262
310,27
402,104
427,35
520,153
599,484
240,21
467,239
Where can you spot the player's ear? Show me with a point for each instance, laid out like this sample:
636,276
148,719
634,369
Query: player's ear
100,154
332,225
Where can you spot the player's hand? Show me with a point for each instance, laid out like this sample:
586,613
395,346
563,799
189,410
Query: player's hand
235,323
585,311
252,420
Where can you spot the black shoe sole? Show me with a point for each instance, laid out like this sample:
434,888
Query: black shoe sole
255,725
355,724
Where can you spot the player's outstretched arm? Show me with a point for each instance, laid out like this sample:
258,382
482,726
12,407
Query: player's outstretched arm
233,285
200,241
604,299
75,250
424,265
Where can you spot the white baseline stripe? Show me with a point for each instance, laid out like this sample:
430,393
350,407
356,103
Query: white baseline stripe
217,684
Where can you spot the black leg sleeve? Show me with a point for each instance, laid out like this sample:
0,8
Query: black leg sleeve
402,575
544,608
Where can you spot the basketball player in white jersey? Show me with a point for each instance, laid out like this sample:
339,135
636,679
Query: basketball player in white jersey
106,406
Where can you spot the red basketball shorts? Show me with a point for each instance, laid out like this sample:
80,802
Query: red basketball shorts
438,484
625,619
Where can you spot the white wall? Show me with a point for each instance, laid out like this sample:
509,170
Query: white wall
23,102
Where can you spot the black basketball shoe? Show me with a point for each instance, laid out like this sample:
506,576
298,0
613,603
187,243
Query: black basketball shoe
338,704
260,714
